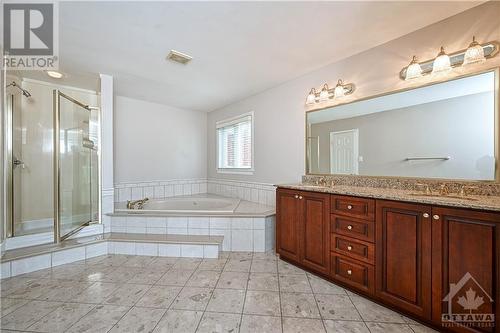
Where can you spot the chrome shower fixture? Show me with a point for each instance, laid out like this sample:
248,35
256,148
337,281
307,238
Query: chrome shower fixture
25,92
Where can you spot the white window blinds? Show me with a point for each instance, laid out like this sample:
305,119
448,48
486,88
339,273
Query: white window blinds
234,143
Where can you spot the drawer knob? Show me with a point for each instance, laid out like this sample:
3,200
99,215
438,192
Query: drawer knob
349,227
349,247
296,196
435,217
300,197
426,215
349,272
349,207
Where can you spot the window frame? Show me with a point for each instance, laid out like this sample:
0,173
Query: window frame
227,121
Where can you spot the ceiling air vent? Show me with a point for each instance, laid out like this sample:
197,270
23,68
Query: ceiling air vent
179,57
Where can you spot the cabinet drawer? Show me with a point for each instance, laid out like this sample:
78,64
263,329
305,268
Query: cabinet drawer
355,273
351,227
353,248
361,208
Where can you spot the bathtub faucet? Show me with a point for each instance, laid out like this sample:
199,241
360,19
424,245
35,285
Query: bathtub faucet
140,203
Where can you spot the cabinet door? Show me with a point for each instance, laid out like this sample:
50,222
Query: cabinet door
287,224
465,256
403,256
315,231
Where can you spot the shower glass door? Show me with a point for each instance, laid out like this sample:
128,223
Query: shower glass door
73,160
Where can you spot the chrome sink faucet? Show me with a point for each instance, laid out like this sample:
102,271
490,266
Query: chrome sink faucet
139,203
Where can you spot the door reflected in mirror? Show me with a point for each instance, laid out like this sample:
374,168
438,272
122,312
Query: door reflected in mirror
444,130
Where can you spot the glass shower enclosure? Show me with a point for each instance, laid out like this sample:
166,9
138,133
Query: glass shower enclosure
73,167
53,161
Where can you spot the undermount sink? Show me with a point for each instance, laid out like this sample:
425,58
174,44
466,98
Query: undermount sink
443,196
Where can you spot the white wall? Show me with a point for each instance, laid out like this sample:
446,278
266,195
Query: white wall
157,142
279,112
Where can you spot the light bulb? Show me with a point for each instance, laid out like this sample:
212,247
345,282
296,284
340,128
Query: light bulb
413,70
474,53
339,90
324,94
442,62
311,98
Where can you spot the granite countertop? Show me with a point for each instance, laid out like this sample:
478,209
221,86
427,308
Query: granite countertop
491,203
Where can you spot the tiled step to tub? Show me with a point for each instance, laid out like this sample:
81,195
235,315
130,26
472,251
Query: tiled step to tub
29,259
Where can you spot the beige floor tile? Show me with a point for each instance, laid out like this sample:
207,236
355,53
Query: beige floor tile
227,300
10,304
175,277
179,321
285,268
212,264
100,320
337,307
264,324
164,263
238,265
270,255
321,286
67,272
97,292
294,283
148,276
371,311
61,318
191,298
262,303
264,266
138,261
203,279
302,325
65,291
159,297
187,263
31,289
127,294
121,274
299,305
138,320
388,328
263,281
233,280
96,272
340,326
240,255
219,322
26,315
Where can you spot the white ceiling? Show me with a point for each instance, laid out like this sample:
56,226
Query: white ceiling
239,48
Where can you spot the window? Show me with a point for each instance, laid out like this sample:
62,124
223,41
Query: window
235,144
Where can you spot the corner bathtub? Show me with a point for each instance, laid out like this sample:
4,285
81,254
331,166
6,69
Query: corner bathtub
185,204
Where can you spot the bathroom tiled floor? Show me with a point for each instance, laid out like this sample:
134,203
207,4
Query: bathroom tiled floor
242,292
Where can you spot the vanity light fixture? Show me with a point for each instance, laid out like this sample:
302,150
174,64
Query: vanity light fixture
442,63
474,53
413,70
311,98
341,89
325,93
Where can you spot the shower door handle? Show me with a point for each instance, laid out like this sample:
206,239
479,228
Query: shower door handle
17,162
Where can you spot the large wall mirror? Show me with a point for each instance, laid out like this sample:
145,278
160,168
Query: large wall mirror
445,130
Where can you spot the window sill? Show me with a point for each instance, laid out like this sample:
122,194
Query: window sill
236,171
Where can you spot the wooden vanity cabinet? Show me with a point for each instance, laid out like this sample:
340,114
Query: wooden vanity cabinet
302,228
466,242
403,266
404,255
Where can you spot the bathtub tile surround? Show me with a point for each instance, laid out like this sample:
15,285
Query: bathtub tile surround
261,193
28,260
252,234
